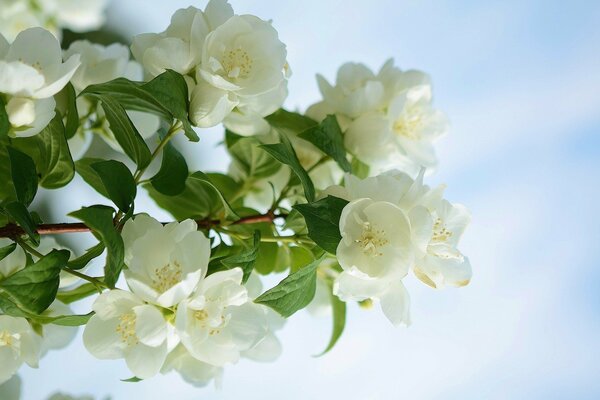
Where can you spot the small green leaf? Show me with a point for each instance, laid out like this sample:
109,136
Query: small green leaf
71,320
24,175
80,292
34,288
244,260
284,153
170,179
83,260
339,320
201,197
290,123
100,220
118,182
170,89
327,137
89,175
254,162
133,379
125,132
360,169
294,292
19,213
72,124
7,250
323,220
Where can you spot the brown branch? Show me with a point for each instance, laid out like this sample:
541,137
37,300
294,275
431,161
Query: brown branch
13,230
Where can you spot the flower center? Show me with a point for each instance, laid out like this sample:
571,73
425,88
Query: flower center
6,339
214,324
167,276
371,240
237,63
408,125
440,233
126,329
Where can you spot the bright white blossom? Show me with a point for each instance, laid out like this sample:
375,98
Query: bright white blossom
53,15
179,47
31,73
126,327
101,64
165,262
18,344
220,322
388,118
241,59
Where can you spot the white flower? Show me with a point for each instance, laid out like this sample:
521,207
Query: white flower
125,327
32,66
440,263
415,126
179,47
53,15
11,389
375,253
18,344
101,64
241,59
165,262
218,323
31,72
75,15
387,118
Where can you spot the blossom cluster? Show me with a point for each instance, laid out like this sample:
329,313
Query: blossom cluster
334,198
175,317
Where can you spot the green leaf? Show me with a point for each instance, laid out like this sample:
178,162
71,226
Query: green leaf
34,288
83,260
50,153
19,213
125,132
290,123
90,176
118,182
4,122
284,153
327,137
100,220
339,320
294,292
72,124
170,179
245,260
201,197
24,175
170,89
80,292
133,379
130,95
253,161
204,178
71,320
7,250
323,220
360,169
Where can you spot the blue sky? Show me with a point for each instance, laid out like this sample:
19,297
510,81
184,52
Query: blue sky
520,81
